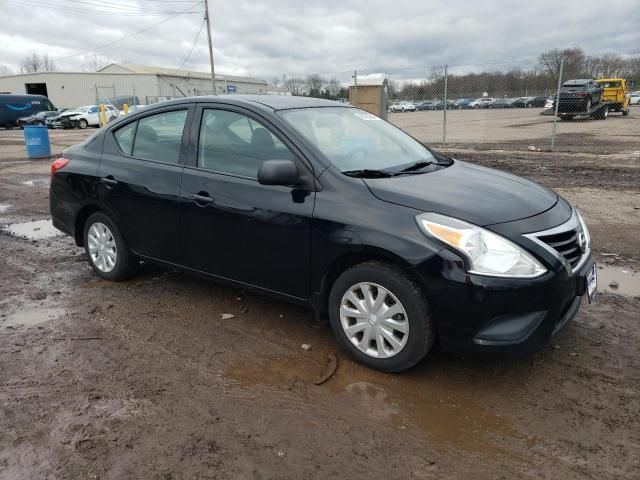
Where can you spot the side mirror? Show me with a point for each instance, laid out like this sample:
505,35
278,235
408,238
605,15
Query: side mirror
278,172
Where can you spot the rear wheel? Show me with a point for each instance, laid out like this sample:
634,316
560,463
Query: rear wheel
106,249
625,113
381,317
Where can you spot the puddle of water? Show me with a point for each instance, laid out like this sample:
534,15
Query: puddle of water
447,411
31,316
4,207
36,230
38,182
628,280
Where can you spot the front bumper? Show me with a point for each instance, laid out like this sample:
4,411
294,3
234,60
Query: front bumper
474,313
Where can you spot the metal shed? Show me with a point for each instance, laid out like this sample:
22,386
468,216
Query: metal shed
148,84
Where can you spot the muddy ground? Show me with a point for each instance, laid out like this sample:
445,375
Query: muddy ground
144,379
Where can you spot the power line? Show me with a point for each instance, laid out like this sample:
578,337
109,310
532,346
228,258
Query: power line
103,12
127,36
204,20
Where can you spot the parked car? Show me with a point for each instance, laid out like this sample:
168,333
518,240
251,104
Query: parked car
501,103
579,95
402,107
426,105
538,101
634,98
462,103
329,206
89,116
439,105
482,102
39,118
13,107
522,102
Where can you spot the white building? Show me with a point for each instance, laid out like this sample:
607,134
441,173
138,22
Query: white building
147,84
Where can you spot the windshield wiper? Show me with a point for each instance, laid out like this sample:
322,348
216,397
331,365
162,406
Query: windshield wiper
369,173
417,166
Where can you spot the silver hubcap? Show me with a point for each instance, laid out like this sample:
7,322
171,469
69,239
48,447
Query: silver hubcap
102,247
374,320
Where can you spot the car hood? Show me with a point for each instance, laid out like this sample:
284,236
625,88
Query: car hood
70,114
478,195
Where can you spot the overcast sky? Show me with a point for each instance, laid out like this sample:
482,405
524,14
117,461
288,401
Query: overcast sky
267,38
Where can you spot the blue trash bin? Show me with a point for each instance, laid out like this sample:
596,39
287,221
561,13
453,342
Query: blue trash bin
36,139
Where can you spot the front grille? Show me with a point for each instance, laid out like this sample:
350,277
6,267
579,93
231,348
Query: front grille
566,244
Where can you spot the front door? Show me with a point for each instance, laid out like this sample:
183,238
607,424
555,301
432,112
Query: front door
139,181
231,225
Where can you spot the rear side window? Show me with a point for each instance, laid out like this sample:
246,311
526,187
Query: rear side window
124,137
159,137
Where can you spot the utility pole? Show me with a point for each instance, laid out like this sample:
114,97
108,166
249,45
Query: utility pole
213,72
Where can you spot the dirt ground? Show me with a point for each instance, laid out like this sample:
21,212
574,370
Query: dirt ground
144,379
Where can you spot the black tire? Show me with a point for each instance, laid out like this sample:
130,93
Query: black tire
126,264
421,336
82,124
566,118
625,113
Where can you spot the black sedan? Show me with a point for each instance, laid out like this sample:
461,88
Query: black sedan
326,205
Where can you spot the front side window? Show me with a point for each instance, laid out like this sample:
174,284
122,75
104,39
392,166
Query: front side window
159,136
235,144
353,139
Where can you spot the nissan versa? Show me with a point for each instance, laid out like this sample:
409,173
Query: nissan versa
327,205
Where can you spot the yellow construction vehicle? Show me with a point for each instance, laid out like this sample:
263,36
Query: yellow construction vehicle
614,93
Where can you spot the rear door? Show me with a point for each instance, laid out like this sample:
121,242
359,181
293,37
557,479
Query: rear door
139,179
231,225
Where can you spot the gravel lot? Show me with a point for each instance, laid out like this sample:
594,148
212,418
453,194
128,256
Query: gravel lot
518,128
144,379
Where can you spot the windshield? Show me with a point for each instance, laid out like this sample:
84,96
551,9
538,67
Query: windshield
353,139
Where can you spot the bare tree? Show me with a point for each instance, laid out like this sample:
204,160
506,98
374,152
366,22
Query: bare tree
333,87
574,62
605,66
37,63
93,63
296,85
314,84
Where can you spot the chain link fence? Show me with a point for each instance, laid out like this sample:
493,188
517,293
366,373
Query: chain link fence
500,105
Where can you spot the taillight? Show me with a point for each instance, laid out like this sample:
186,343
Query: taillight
59,164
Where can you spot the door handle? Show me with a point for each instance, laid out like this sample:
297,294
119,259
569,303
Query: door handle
108,181
202,199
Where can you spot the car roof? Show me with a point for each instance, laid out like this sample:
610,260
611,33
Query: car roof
578,81
275,102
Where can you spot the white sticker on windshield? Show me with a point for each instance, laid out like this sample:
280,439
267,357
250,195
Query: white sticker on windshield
367,116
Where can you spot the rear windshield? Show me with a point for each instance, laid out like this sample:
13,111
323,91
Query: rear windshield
574,87
610,84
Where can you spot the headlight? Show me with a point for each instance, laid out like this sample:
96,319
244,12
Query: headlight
486,252
585,230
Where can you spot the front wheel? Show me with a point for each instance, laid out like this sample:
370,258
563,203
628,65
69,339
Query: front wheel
82,124
106,249
381,317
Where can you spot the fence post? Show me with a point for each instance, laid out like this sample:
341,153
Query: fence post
355,88
444,110
557,103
